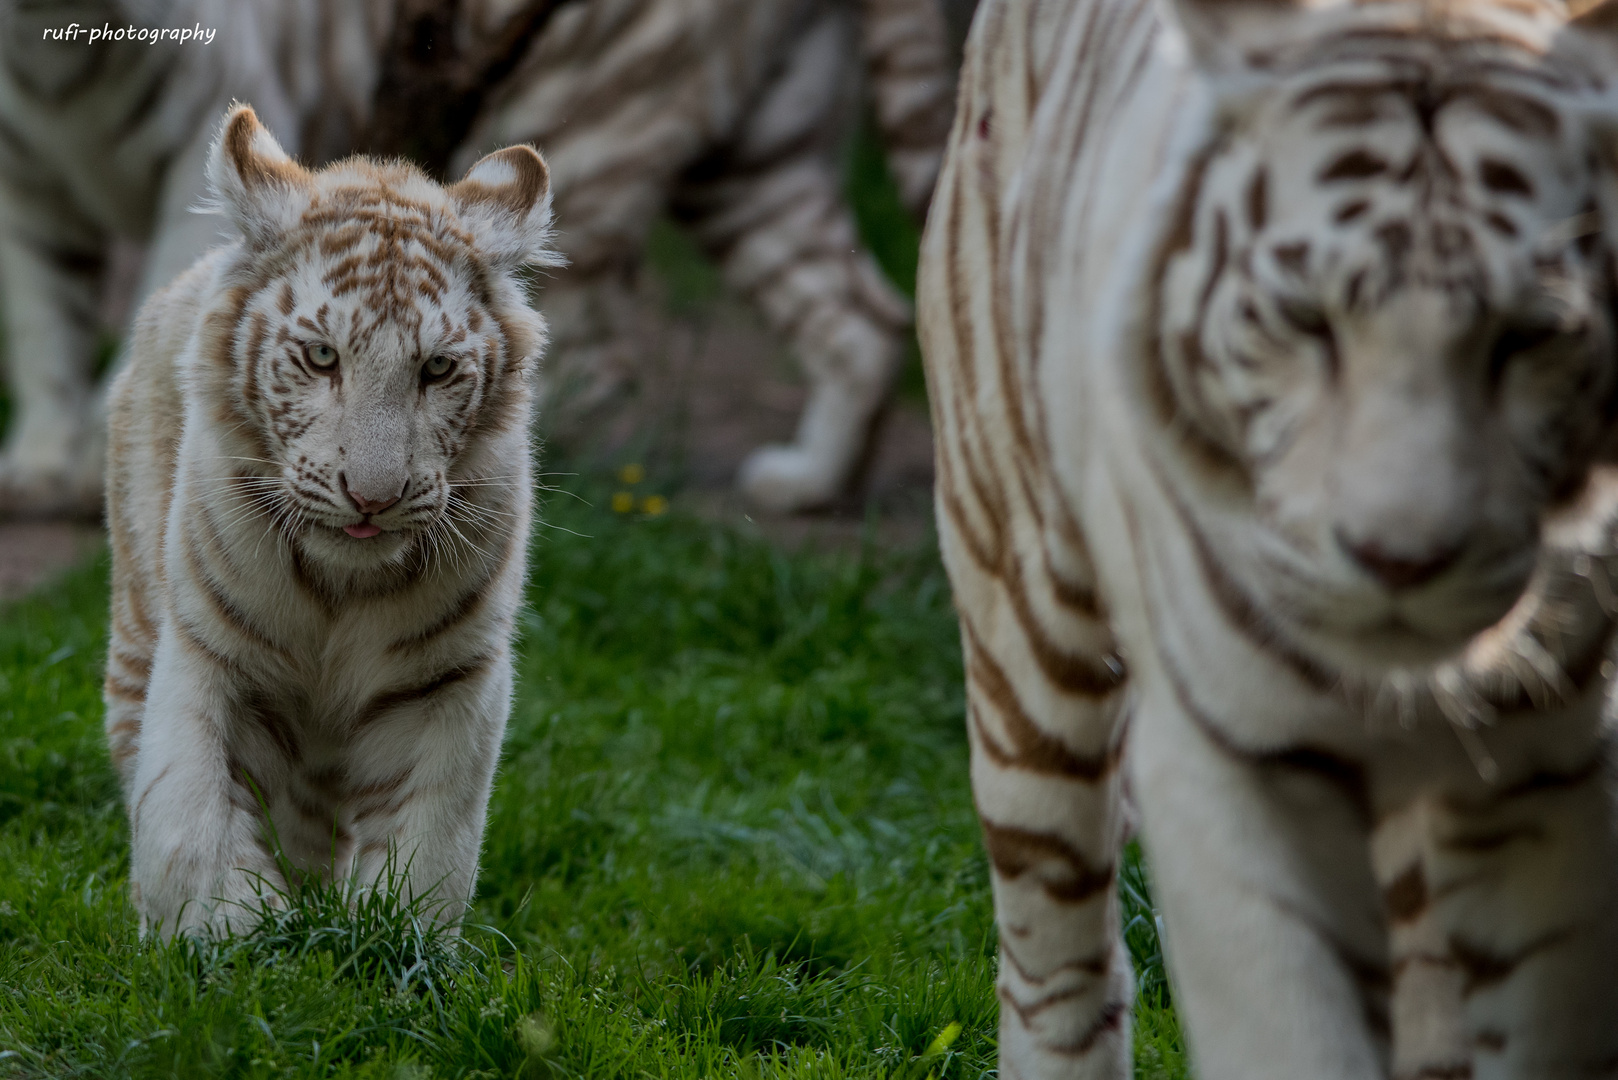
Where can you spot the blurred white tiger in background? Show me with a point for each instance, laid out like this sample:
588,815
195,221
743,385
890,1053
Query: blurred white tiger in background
730,112
319,499
1271,348
108,140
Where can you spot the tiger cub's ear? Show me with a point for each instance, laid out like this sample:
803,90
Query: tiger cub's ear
262,189
505,201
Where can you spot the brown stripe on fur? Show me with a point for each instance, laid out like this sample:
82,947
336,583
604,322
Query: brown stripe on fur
1542,782
388,700
1032,747
124,691
1484,967
134,815
1089,965
1406,898
1477,843
133,663
1067,877
1110,1019
382,788
1197,449
223,607
265,714
1248,618
1039,1005
192,639
1341,773
1073,672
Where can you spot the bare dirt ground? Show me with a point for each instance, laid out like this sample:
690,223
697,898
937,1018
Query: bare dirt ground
33,552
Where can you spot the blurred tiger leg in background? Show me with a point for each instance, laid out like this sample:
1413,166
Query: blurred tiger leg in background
769,207
50,269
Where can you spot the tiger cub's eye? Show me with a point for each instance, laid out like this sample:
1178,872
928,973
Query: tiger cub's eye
323,357
437,367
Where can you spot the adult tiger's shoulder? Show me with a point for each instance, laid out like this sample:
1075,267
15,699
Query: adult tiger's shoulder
1271,352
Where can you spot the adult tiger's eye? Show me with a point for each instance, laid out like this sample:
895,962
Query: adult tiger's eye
323,357
437,367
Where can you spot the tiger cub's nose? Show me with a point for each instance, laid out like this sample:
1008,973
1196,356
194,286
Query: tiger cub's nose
365,505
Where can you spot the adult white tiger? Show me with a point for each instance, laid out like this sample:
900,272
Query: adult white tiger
319,499
1271,350
732,110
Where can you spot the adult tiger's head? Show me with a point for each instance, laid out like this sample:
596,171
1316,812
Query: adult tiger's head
375,352
1389,306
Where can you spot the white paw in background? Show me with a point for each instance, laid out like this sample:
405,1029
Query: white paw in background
785,479
52,464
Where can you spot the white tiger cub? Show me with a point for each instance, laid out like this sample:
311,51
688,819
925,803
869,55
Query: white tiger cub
319,497
1271,347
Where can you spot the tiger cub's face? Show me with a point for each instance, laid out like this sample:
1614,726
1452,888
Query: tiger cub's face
382,350
1396,317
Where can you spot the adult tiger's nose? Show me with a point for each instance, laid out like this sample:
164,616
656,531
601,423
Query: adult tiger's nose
365,505
1398,571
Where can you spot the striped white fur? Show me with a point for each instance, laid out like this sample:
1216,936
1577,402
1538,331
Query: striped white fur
731,112
1271,351
109,140
319,497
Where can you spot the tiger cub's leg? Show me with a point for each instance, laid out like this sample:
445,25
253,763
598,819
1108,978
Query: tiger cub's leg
1274,929
129,663
421,775
199,853
50,277
770,208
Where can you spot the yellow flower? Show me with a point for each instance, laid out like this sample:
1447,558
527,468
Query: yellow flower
622,502
631,474
654,505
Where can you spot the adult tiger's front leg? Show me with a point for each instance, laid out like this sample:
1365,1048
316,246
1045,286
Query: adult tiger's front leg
1045,755
1275,936
769,207
51,462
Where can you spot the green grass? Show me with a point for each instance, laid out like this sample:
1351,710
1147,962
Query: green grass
732,836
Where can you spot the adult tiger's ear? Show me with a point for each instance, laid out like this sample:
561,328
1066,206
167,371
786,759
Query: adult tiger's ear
505,201
1591,34
1595,17
262,189
1234,40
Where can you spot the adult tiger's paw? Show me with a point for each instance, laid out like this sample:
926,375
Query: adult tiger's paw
788,479
64,488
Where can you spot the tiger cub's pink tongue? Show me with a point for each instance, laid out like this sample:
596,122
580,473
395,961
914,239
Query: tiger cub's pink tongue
363,531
